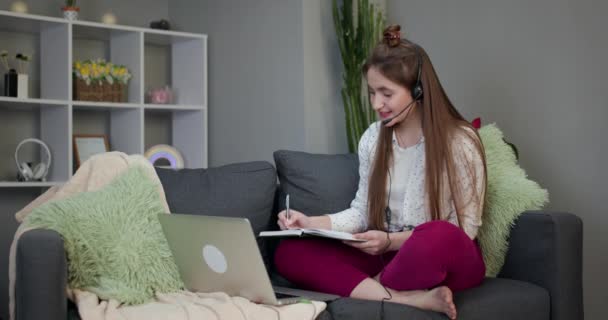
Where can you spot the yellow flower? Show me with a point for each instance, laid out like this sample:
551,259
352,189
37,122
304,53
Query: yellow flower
84,72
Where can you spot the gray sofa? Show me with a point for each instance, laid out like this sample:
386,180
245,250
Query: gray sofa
541,278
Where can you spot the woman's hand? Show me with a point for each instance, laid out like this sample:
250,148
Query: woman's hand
377,242
297,220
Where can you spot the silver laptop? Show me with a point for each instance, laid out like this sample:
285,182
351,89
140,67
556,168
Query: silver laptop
221,254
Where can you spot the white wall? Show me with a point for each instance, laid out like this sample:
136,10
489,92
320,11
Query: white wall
538,69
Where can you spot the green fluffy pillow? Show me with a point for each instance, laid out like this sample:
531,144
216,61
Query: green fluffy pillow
114,242
509,193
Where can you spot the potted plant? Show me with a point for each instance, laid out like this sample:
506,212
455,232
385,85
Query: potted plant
16,82
10,77
22,75
70,11
358,25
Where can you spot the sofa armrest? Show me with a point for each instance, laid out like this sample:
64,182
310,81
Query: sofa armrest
41,280
545,248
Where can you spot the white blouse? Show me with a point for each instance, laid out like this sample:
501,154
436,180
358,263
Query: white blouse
408,200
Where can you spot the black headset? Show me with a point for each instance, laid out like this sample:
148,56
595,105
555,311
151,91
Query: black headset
417,89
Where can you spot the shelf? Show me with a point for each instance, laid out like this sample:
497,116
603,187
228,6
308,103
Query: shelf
17,184
171,107
96,31
30,103
179,62
156,58
26,23
31,23
91,105
166,37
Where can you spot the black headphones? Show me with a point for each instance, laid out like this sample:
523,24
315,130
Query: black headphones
417,89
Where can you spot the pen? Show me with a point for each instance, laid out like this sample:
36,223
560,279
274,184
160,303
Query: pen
287,207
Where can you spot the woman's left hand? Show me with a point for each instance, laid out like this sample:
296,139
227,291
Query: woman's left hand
376,242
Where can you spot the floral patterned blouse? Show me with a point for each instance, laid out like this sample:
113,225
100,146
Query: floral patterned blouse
408,200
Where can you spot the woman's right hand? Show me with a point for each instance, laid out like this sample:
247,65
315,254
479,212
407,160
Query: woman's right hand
297,220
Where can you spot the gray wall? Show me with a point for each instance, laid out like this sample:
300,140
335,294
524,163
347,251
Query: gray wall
274,76
325,128
538,69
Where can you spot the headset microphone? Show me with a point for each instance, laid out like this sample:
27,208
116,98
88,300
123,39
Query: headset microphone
386,121
417,91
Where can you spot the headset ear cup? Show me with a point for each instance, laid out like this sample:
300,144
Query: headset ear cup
26,171
39,170
417,92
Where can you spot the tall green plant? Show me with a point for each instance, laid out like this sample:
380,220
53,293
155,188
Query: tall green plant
359,30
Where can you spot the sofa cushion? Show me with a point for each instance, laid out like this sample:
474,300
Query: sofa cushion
235,190
317,183
495,299
114,242
509,193
500,298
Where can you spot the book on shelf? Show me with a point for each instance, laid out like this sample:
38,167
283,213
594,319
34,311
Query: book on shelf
338,235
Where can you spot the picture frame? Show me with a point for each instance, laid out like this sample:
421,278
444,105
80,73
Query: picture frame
88,145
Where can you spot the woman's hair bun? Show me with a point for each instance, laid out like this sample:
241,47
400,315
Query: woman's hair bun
392,35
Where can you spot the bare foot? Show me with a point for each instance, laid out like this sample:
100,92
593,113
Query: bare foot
439,299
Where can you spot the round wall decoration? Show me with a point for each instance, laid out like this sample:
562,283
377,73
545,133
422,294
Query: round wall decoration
165,152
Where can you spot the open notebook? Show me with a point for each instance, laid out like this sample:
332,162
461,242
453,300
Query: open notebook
311,232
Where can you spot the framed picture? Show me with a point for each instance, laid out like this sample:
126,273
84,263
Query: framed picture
88,145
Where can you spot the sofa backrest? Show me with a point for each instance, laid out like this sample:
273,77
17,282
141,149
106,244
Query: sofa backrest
317,184
236,190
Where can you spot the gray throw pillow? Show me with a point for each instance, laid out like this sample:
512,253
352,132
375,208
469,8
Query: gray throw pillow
237,190
317,183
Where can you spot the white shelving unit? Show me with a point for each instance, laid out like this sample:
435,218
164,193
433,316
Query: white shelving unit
57,116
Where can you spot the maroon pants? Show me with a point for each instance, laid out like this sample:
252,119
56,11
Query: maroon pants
437,253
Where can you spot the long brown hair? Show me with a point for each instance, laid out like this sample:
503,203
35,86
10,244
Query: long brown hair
397,60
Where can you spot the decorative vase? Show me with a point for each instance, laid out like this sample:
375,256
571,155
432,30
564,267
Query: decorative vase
70,13
108,18
19,7
160,95
10,83
22,85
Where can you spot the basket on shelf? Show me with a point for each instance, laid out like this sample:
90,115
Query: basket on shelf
99,91
98,80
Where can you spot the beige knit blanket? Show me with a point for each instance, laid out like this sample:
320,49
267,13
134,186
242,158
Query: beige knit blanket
92,175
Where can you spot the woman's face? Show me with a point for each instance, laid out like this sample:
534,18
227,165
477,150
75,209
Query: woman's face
387,97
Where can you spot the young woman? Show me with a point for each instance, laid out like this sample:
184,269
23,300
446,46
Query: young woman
420,198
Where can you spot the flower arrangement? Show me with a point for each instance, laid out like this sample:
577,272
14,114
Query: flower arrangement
22,61
99,71
4,59
98,80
